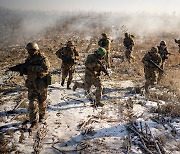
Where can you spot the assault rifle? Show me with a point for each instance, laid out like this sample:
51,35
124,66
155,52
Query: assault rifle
21,68
157,66
104,69
168,53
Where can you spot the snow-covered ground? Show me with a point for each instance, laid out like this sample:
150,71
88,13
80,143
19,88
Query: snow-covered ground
73,125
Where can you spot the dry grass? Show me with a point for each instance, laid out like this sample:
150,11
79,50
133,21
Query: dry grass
171,80
55,37
22,117
170,109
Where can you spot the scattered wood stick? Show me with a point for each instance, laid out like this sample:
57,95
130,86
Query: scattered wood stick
154,140
145,148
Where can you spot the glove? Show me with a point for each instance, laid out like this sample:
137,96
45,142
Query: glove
146,63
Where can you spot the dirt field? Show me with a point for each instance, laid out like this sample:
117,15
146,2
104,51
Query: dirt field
73,126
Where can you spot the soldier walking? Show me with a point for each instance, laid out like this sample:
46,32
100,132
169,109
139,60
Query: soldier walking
178,42
36,68
163,52
92,74
129,45
151,60
68,55
105,42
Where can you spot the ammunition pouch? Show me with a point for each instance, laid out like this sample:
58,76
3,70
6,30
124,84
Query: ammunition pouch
39,83
47,80
68,60
31,84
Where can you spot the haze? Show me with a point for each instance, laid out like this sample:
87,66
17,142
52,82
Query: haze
148,6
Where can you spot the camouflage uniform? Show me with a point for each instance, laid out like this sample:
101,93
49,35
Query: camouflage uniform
163,52
129,44
92,76
37,72
178,42
105,43
151,71
68,55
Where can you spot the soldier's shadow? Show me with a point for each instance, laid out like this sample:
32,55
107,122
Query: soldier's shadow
60,106
13,126
124,92
12,90
114,131
69,103
12,113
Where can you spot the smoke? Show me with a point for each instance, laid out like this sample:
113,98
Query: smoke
35,22
90,24
21,26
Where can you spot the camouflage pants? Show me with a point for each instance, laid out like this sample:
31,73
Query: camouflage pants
108,60
128,55
37,104
151,75
67,71
160,73
89,81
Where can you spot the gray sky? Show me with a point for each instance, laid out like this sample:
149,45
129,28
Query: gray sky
163,6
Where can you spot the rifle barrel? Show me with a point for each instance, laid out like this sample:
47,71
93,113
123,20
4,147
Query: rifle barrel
157,66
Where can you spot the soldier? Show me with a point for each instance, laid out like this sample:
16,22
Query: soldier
178,42
105,42
68,55
36,68
162,50
151,60
92,74
129,45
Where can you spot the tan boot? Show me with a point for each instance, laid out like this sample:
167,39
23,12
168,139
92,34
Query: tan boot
62,83
100,104
42,119
146,90
34,126
68,85
75,86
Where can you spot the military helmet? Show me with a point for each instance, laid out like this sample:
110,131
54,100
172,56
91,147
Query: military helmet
177,41
126,34
70,43
101,51
32,46
154,50
163,43
104,34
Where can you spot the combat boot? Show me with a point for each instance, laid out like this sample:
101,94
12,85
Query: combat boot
100,104
146,90
42,119
75,86
146,87
68,85
62,83
33,126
